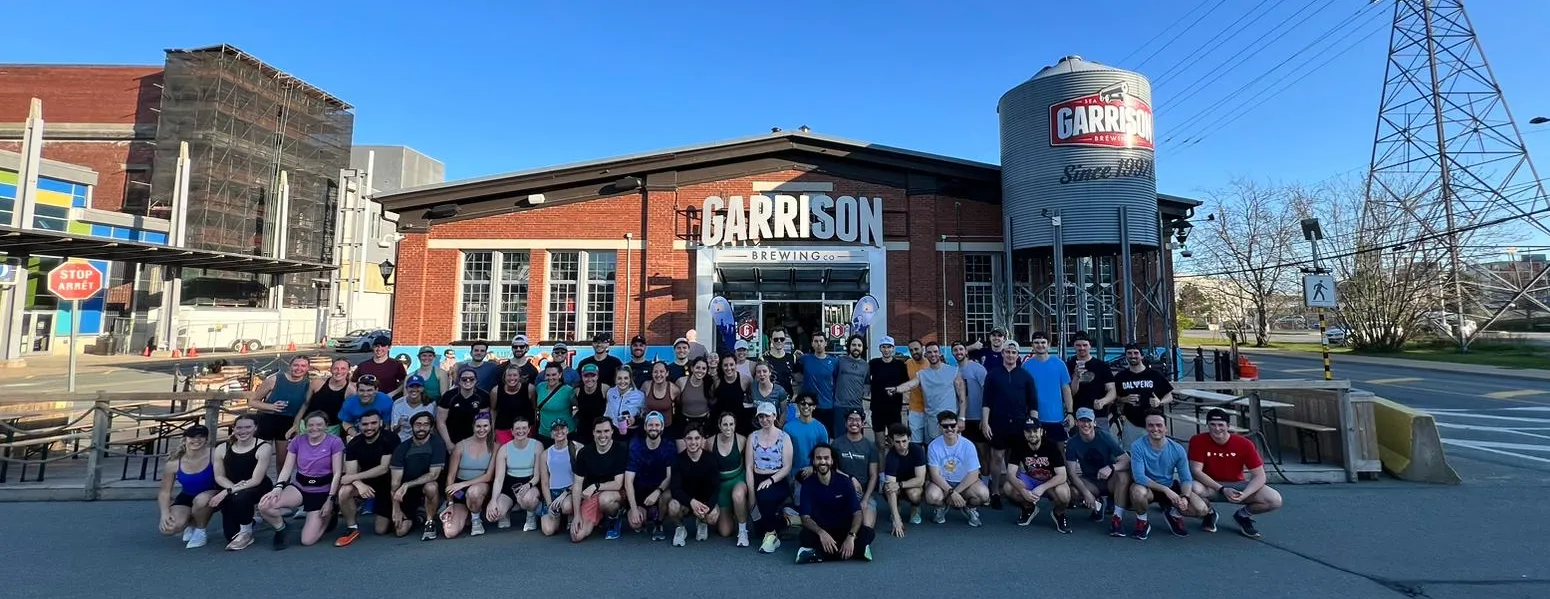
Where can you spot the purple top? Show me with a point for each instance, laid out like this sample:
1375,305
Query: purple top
315,461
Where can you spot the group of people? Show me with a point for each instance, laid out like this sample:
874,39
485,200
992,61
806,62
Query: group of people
747,446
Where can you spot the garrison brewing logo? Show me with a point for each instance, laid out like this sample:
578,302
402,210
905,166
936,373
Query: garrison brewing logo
1111,118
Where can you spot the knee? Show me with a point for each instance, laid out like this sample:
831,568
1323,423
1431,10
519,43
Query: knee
346,492
431,490
740,493
1270,498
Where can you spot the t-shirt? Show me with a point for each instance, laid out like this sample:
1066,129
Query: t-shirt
489,374
695,479
917,395
1049,377
315,461
1095,373
954,461
353,408
850,376
641,372
1145,385
1038,463
675,371
596,468
369,454
650,465
804,437
818,378
1224,462
885,374
902,467
403,412
831,505
1092,456
941,388
855,457
418,459
461,411
607,365
973,374
1010,395
780,369
390,373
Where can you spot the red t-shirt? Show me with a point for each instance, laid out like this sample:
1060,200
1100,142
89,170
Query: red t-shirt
390,373
1224,463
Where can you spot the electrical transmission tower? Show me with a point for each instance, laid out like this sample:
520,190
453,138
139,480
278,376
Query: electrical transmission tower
1451,180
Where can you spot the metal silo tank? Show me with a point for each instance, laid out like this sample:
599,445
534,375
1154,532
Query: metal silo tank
1078,137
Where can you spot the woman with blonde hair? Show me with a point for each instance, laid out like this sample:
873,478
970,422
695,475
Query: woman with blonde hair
472,468
193,469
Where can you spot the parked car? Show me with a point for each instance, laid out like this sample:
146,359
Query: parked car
360,339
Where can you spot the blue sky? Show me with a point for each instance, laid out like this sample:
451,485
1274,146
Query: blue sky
489,87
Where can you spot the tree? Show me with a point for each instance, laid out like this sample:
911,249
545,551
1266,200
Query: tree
1248,245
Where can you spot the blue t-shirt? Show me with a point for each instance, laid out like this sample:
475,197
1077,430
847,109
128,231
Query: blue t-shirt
818,378
1148,464
833,505
1049,377
650,465
804,437
353,409
1103,450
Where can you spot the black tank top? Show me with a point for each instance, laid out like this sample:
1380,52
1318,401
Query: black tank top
510,405
240,466
729,396
589,407
329,401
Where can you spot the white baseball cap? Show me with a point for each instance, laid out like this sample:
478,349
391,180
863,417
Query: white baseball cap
888,341
741,344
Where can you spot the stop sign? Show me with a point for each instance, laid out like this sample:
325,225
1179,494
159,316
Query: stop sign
74,281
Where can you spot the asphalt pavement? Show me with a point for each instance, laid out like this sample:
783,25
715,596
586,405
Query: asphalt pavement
140,375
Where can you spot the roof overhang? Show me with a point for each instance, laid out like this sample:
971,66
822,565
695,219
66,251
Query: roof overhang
34,242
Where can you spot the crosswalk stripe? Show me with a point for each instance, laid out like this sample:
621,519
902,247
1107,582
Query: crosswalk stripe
1395,381
1515,393
1490,417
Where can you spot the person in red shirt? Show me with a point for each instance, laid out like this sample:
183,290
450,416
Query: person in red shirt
1218,459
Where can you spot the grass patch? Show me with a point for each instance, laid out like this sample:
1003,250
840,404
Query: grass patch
1486,353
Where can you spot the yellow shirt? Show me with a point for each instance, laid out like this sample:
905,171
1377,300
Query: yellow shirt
917,396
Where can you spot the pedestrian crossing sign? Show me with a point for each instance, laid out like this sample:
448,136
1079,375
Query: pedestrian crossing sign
1318,291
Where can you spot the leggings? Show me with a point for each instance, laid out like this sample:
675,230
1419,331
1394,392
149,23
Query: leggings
237,510
770,501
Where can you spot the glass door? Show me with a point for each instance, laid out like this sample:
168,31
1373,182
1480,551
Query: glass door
836,324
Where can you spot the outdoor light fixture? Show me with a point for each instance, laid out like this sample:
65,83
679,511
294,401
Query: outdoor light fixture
441,211
1311,230
1181,231
386,267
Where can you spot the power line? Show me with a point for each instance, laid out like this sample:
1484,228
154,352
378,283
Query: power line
1163,31
1180,34
1204,83
1219,39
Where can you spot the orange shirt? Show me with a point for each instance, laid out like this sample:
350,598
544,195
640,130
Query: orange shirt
917,396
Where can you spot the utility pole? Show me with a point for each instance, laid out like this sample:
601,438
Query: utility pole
1314,234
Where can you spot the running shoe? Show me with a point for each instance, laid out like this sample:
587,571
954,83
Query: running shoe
476,527
771,543
866,553
1116,526
188,533
974,516
680,536
915,516
1096,511
1208,523
657,533
240,542
505,522
197,540
995,501
808,556
615,529
349,536
701,531
1026,517
430,531
1246,526
1062,524
531,524
938,516
279,542
1143,530
1176,523
742,538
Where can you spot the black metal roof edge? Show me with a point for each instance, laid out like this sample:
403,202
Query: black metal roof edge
65,245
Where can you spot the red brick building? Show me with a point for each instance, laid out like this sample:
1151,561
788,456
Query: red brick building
640,244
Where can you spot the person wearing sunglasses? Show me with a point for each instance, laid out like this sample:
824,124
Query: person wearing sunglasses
457,408
778,358
487,371
953,465
521,362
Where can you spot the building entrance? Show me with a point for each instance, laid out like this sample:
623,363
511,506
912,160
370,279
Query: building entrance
802,289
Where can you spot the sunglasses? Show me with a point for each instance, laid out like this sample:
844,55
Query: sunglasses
468,379
946,426
808,405
777,339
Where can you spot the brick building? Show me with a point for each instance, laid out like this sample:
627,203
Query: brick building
641,244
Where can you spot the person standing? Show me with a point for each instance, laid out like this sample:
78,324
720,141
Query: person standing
944,391
781,363
661,396
730,394
554,400
430,375
740,354
510,400
606,363
817,370
694,391
414,401
591,403
918,419
1010,400
639,366
1052,385
850,383
696,349
985,354
390,373
624,403
278,401
833,526
366,399
1141,390
559,357
456,411
974,373
521,361
886,371
329,393
486,372
1092,382
679,367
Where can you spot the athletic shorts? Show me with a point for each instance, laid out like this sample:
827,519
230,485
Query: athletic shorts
591,510
1030,483
1055,432
644,491
312,502
510,490
1162,500
382,488
414,499
886,413
272,427
971,431
543,506
1237,486
183,499
1003,436
728,486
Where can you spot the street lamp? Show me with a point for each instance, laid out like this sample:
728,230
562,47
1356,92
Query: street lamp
386,267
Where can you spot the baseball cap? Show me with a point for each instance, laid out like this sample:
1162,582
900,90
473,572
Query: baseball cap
589,369
561,348
741,344
415,381
519,340
603,338
641,339
766,409
558,423
855,412
998,332
1218,415
655,415
1040,335
198,430
369,379
1032,423
1085,414
888,341
1012,345
426,349
683,340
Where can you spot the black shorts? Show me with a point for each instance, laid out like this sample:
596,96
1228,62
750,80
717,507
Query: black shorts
1162,500
312,502
183,499
273,427
382,492
509,490
971,431
644,491
414,499
886,413
1003,436
1056,432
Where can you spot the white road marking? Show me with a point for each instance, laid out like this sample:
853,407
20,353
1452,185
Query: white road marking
1476,446
1496,429
1393,381
1515,393
1490,417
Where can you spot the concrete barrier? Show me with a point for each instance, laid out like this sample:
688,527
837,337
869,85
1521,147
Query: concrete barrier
1409,445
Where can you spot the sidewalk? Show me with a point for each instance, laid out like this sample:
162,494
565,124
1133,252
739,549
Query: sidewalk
1477,369
52,365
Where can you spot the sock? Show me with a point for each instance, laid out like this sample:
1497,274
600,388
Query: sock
1119,511
352,526
475,517
247,528
280,528
742,527
1244,512
1140,517
1173,512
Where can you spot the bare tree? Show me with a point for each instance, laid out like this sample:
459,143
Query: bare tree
1249,244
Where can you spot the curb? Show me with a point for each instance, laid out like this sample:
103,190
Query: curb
1522,373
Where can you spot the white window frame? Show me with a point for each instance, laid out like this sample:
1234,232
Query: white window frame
583,284
995,298
493,304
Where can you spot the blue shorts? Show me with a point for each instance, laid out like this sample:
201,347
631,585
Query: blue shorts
543,506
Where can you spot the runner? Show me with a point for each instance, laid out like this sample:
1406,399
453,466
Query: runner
557,477
556,400
192,467
694,485
416,469
904,476
1102,470
414,401
662,398
1010,400
694,392
367,477
624,404
1052,385
448,367
1162,474
696,349
954,468
242,472
390,373
974,373
818,370
366,399
856,456
730,394
1217,460
520,361
917,419
647,476
1092,381
560,356
850,383
886,371
732,495
519,475
833,522
429,374
768,461
488,373
512,399
278,401
740,355
806,432
1035,469
310,479
988,354
599,480
944,391
639,366
1141,391
606,363
328,395
472,467
457,408
679,367
764,389
782,364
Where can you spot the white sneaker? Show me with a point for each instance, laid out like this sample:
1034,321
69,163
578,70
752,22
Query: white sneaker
504,523
974,516
771,543
188,533
477,528
197,539
742,538
939,515
531,524
701,531
679,536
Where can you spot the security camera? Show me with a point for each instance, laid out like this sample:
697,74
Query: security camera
1187,254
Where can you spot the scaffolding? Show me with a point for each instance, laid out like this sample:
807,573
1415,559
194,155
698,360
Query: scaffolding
245,122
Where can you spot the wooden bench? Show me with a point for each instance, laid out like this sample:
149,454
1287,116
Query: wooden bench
39,447
1199,422
1307,431
140,442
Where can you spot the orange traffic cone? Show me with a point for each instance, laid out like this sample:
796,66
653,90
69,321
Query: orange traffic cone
242,349
290,346
147,352
176,353
193,352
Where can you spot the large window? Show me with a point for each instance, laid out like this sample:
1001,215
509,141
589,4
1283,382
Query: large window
979,295
581,294
483,314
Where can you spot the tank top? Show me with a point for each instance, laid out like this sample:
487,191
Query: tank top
662,404
329,401
555,404
558,461
731,464
240,466
768,459
471,467
289,395
729,395
520,461
692,400
198,482
510,405
432,381
590,406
